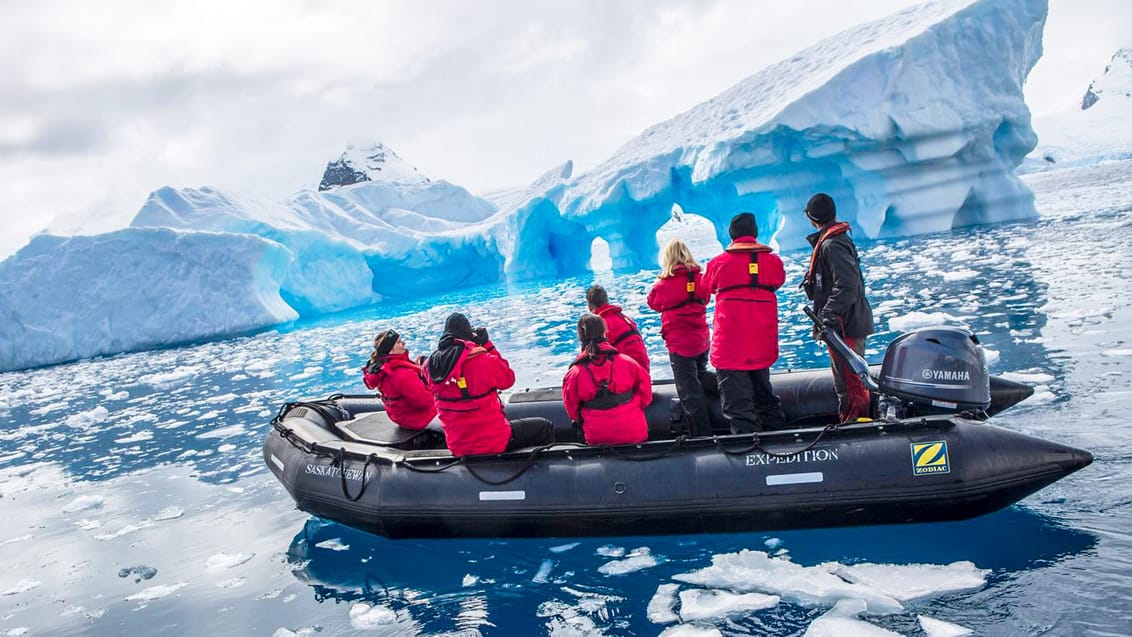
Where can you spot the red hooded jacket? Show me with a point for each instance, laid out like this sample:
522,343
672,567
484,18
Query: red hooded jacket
622,333
622,420
682,302
401,385
468,404
744,279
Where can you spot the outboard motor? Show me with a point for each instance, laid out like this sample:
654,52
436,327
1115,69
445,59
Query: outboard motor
937,370
932,370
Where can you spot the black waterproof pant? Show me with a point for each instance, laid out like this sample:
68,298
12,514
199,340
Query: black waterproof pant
530,432
689,372
749,401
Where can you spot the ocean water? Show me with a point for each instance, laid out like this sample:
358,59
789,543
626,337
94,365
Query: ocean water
135,500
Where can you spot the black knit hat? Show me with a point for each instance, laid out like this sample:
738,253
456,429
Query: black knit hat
459,326
743,225
821,209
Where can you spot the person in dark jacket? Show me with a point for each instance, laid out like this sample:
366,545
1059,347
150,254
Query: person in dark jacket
399,382
744,343
606,391
621,330
681,297
465,374
837,288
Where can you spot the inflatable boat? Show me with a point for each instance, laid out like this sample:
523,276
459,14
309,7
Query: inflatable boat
929,455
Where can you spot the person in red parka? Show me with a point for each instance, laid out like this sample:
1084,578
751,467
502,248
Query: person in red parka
681,298
745,340
399,382
621,330
465,374
606,391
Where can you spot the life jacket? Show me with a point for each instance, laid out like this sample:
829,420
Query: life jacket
605,399
690,286
752,269
462,401
840,227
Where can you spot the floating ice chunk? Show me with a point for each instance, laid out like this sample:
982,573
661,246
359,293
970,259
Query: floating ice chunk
991,355
21,586
469,580
562,548
140,436
156,592
938,628
1041,396
543,574
227,560
912,581
662,606
169,513
125,530
18,631
690,630
608,550
165,381
1116,352
1030,378
333,544
702,604
638,559
809,585
84,503
17,539
773,543
913,320
142,572
841,621
307,631
363,616
959,275
222,432
84,418
88,525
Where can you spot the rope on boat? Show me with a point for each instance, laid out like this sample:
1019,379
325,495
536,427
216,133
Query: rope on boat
340,462
756,444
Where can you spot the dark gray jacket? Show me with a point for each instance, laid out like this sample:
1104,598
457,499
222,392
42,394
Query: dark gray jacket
838,287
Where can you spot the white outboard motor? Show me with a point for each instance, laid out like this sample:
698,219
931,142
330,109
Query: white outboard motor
936,370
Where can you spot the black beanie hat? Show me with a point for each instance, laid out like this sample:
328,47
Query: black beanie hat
821,209
459,326
743,225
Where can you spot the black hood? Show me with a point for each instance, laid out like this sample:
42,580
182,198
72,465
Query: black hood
440,363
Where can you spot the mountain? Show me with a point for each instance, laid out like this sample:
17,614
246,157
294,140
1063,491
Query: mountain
1100,129
369,162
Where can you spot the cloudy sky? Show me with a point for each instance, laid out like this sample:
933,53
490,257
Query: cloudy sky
101,103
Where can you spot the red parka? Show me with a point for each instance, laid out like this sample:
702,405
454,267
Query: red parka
682,302
401,385
622,333
744,279
468,404
622,420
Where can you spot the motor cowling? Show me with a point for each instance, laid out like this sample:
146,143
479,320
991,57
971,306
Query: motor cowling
938,369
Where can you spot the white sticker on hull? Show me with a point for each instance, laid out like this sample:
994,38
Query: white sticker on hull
277,462
794,478
489,496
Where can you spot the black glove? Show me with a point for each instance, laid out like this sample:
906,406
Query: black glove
420,360
479,336
831,323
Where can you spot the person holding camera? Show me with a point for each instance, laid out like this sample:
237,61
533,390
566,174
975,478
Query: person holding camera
465,375
399,382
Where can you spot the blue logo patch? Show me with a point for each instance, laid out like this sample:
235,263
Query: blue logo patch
929,458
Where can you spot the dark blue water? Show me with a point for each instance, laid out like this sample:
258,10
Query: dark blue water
136,502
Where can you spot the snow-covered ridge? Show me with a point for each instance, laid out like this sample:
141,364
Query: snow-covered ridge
914,123
1100,129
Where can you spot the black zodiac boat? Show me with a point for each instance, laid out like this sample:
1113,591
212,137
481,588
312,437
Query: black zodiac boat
929,456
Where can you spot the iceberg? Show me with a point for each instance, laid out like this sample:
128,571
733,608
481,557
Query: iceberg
914,123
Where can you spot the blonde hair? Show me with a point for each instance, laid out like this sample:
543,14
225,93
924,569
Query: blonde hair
676,253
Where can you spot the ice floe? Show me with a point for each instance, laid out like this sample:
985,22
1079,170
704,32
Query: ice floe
156,592
938,628
222,561
637,559
841,621
84,503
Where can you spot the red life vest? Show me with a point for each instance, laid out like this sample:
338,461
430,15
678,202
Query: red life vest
682,302
401,386
744,279
468,403
608,394
622,333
